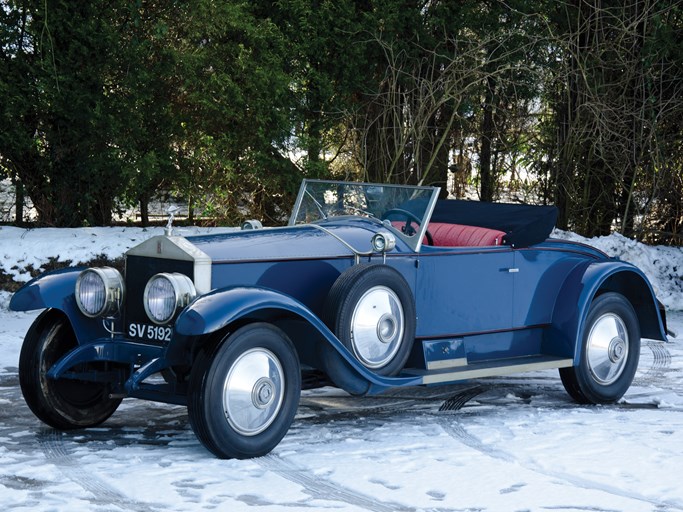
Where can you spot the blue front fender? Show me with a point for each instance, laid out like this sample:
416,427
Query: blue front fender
584,283
55,290
50,290
220,308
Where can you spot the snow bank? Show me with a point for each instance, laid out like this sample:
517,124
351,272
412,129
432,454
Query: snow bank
24,249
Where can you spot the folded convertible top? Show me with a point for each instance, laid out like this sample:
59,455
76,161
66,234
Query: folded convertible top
523,224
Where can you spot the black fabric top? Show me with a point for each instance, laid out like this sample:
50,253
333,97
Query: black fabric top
524,224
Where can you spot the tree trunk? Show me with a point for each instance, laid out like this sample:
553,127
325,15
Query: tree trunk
19,204
144,211
487,135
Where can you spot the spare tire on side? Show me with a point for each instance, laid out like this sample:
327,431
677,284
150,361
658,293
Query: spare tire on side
371,309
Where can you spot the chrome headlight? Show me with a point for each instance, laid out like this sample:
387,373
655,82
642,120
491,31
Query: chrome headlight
252,224
99,291
165,294
383,242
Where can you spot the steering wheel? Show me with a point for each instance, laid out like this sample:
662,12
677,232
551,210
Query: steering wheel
410,216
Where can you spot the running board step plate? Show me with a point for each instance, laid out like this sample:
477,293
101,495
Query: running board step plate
490,369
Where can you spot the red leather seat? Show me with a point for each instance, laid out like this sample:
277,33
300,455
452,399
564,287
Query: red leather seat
459,235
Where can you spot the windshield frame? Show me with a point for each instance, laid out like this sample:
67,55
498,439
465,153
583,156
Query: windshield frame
431,194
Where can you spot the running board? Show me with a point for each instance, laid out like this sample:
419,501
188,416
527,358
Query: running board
490,369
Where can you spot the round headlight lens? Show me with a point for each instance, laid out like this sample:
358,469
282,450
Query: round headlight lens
99,291
165,294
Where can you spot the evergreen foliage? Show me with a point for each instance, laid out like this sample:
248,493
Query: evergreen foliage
227,105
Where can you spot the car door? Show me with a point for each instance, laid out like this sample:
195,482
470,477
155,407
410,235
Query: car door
464,290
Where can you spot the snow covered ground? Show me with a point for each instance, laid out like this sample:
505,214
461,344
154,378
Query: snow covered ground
517,444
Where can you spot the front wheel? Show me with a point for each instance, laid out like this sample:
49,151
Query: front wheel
63,403
610,350
244,393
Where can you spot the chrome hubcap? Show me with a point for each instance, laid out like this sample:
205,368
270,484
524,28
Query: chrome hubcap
253,391
616,350
377,327
386,328
263,393
607,348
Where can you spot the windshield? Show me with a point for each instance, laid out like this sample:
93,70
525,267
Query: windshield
402,208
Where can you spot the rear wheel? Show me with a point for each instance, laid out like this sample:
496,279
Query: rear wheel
610,350
244,393
61,403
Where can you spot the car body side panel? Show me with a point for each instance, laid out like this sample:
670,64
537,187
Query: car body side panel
308,281
462,290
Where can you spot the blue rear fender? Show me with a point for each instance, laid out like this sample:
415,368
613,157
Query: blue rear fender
55,290
221,308
585,282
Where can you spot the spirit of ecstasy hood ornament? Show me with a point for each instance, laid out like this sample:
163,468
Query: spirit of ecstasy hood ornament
172,210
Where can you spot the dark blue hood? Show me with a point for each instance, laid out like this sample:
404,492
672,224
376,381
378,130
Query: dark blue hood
297,242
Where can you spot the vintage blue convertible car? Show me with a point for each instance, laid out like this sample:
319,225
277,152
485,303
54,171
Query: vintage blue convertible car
373,286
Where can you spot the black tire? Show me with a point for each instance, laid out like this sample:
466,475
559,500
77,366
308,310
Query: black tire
232,423
610,351
63,403
383,340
